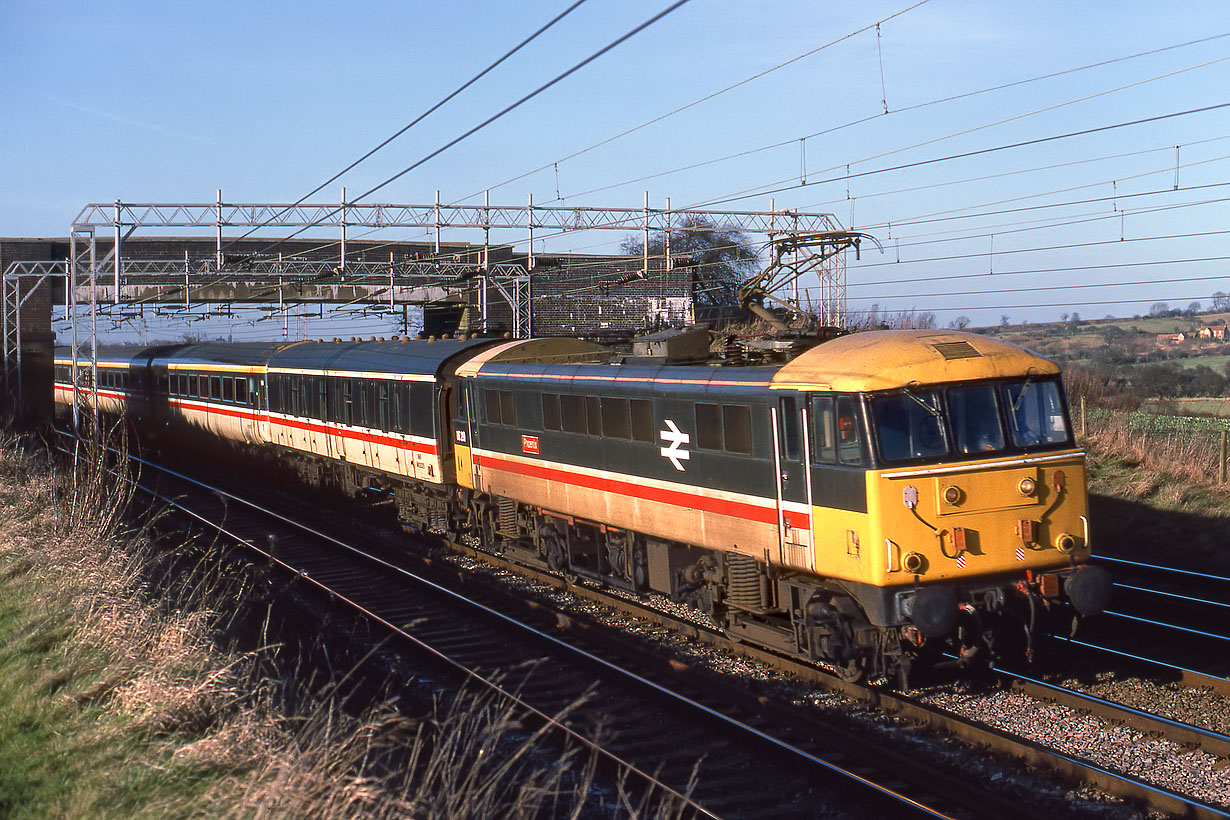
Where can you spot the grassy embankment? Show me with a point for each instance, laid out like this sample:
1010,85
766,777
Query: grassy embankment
1156,495
117,701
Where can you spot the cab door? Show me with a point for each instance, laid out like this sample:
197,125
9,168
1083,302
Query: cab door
792,483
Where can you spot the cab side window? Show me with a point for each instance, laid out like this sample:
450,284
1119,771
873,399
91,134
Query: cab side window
836,430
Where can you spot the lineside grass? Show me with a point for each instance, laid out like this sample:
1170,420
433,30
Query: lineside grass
116,699
1155,495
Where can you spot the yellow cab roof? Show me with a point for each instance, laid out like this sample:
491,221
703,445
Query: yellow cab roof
888,359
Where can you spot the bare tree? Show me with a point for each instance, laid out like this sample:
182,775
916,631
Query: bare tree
722,260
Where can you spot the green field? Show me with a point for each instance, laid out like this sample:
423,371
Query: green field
1203,407
1218,363
1169,424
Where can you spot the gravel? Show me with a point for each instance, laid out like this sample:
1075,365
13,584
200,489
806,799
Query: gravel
1154,760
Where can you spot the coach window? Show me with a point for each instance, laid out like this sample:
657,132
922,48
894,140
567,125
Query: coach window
382,404
642,420
228,389
572,414
363,409
193,386
708,427
371,404
737,427
347,406
320,403
241,390
550,411
401,406
422,414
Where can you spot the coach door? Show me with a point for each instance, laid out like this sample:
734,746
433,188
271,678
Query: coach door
790,463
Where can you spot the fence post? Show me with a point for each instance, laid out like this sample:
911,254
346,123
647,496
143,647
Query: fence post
1083,427
1221,461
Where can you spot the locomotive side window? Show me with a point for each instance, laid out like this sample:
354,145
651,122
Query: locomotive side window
593,416
501,407
708,427
615,422
642,420
824,425
491,402
849,446
508,408
737,428
550,411
572,414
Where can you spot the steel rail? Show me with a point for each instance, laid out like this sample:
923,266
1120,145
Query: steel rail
1175,595
640,680
1033,753
1200,632
1187,676
399,631
1184,733
1192,573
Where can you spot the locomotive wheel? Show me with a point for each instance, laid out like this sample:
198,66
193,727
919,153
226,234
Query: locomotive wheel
853,670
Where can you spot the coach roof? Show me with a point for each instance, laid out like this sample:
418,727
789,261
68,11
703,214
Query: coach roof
411,356
888,359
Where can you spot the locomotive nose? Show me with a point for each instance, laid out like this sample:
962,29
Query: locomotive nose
1088,589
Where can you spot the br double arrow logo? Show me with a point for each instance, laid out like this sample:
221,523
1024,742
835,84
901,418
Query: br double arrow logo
677,438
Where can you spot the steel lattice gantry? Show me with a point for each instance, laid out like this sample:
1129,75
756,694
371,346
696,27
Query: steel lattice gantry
270,277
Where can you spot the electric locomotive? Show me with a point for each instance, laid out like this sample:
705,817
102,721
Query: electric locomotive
880,498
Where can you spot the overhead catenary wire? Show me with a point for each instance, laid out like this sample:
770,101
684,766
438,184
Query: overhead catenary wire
699,101
526,98
431,110
876,116
509,108
850,175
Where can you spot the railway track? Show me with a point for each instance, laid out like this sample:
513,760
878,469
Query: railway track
1165,622
657,712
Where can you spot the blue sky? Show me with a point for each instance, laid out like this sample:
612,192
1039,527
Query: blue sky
167,102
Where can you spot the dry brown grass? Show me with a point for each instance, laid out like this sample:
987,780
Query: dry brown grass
1159,458
205,718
